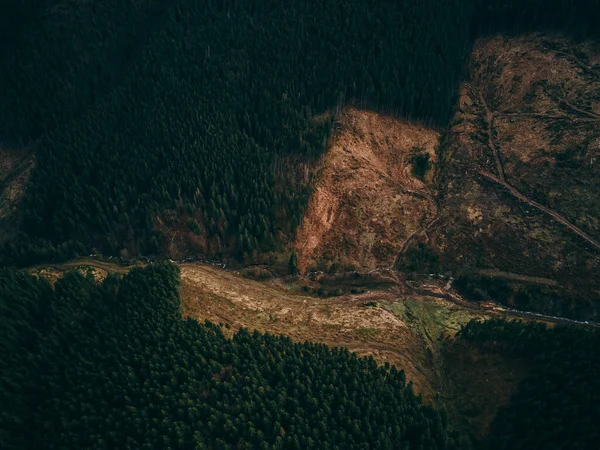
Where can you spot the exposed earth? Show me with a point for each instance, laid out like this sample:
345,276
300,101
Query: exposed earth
366,201
512,191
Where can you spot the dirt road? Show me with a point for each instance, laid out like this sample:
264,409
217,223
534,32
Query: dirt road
500,179
560,219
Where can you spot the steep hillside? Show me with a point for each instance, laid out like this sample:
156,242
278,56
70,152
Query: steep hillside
369,197
520,179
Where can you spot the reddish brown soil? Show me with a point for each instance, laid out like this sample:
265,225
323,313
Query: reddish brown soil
366,201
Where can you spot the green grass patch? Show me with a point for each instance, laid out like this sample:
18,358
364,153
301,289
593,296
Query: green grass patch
430,319
368,332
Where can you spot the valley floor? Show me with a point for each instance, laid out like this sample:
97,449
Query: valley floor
405,324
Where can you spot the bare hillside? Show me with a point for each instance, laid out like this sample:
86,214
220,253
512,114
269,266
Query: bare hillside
520,174
367,201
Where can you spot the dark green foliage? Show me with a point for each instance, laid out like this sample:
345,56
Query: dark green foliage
551,300
146,114
207,106
557,405
573,16
24,313
114,366
293,264
570,158
479,288
420,163
22,250
419,257
325,293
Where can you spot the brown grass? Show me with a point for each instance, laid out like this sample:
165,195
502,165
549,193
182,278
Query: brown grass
366,200
544,100
212,294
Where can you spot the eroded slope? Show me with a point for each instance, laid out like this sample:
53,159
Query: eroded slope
212,294
367,201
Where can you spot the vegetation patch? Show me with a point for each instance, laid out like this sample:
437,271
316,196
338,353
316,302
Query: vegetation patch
527,293
539,415
368,332
475,385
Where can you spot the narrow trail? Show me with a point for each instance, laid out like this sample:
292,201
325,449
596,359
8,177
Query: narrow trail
410,238
540,115
489,119
98,264
588,114
590,240
501,178
432,221
494,309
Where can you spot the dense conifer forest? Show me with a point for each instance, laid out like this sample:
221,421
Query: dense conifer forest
557,406
114,366
554,301
206,118
147,117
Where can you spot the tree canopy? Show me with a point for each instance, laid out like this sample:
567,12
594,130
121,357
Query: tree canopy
153,119
557,405
114,366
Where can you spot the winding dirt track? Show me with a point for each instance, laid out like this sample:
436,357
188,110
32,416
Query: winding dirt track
501,178
590,240
590,115
489,119
497,310
98,264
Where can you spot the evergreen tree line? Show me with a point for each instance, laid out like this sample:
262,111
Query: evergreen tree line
557,405
113,365
148,116
550,300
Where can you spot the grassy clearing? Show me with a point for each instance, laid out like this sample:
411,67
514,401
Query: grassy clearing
432,318
368,332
